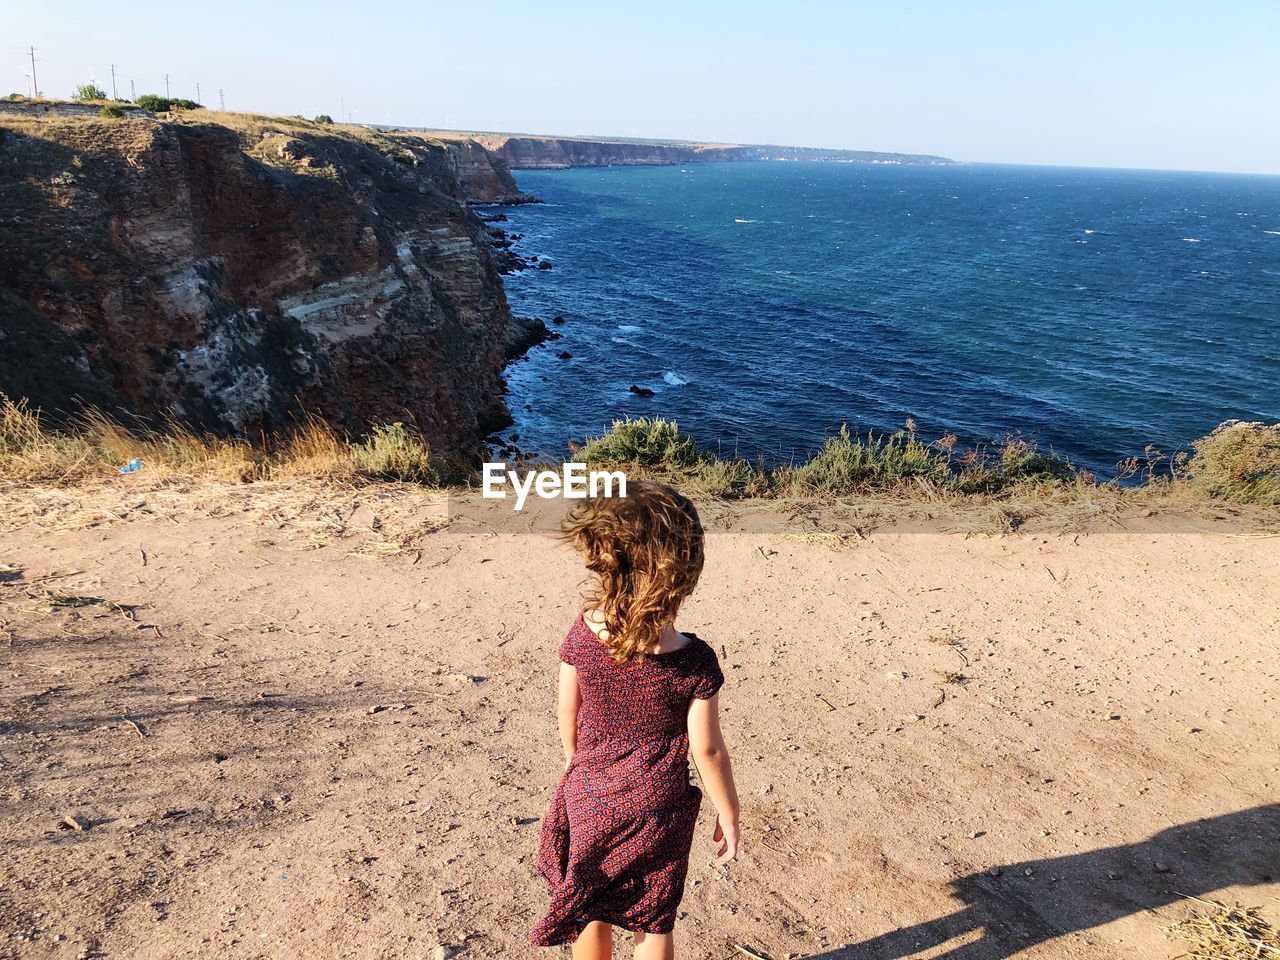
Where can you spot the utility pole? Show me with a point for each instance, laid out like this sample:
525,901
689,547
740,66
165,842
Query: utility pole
133,93
222,101
197,91
166,86
35,85
114,95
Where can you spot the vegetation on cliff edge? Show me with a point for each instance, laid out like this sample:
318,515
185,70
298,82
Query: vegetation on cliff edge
1237,463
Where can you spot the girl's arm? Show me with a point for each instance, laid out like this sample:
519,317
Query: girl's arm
711,757
567,710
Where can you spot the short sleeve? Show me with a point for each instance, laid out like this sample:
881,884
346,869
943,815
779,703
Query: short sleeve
568,649
710,678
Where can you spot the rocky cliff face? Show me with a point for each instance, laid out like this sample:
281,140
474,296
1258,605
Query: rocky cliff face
557,153
238,274
485,176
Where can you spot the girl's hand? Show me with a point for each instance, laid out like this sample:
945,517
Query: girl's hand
727,835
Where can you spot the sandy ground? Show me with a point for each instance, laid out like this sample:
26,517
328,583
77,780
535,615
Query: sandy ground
287,734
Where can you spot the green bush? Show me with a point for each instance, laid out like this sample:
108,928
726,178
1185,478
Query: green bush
323,118
731,478
393,453
111,112
1238,461
88,91
848,464
647,442
1020,460
158,104
154,103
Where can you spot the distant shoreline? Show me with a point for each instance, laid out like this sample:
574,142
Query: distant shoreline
544,152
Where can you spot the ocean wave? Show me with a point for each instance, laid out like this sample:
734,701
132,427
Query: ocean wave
1274,233
674,379
740,220
1191,240
629,328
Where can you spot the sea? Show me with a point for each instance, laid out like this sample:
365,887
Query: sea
1095,312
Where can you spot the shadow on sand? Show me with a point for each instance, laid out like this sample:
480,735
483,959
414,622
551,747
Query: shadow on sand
1024,904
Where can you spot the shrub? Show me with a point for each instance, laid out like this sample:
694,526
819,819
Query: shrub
1020,460
1238,461
730,478
847,464
88,91
111,112
177,103
15,97
154,103
393,453
647,442
323,118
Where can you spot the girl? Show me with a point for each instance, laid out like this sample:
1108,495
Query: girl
636,698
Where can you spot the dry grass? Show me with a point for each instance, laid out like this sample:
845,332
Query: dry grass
98,446
1223,932
1239,462
316,450
852,486
175,449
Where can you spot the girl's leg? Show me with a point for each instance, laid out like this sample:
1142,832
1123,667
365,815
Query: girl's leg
594,943
655,946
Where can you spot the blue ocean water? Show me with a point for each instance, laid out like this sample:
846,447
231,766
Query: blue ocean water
1096,311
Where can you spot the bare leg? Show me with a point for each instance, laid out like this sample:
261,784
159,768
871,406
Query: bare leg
655,946
594,943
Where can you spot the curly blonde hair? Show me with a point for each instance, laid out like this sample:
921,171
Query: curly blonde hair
646,552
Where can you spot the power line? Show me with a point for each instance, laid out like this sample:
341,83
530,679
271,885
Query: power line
35,86
166,86
114,95
133,93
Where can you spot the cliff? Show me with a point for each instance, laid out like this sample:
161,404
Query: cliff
236,273
485,176
521,152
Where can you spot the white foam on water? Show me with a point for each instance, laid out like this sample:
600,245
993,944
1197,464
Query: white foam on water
740,220
674,379
1089,231
629,328
1274,233
1191,240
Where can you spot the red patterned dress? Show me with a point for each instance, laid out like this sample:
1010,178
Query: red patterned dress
615,843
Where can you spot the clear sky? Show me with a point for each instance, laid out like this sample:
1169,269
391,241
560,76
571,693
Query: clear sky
1165,84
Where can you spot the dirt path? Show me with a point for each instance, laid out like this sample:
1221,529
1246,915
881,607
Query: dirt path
284,745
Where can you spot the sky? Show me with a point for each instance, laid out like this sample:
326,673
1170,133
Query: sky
1116,83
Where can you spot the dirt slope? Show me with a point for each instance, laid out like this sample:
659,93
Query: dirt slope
316,728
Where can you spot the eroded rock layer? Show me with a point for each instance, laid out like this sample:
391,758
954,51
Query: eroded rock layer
237,273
